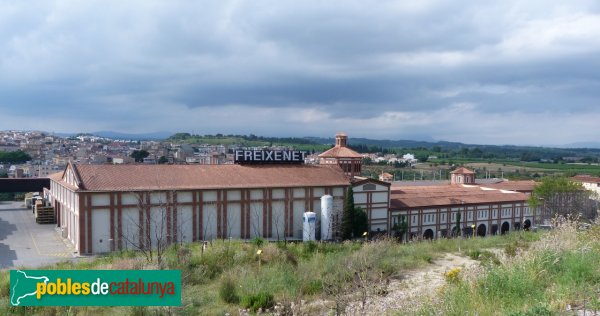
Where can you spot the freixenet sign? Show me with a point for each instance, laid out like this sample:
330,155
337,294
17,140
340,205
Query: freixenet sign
95,287
269,156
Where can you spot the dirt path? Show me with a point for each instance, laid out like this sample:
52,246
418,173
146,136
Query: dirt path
414,289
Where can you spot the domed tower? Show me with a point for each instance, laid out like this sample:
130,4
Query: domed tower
462,175
349,160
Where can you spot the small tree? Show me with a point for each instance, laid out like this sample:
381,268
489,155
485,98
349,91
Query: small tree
154,225
561,196
162,160
348,215
400,227
139,155
457,227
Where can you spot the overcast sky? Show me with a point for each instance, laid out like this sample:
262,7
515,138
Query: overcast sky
486,72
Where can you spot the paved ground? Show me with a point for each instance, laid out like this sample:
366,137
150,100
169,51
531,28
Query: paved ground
24,243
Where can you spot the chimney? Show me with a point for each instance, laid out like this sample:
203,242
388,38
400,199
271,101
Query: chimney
340,140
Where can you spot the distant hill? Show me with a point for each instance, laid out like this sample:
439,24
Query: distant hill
424,147
142,136
386,143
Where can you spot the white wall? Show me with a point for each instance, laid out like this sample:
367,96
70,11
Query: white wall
100,231
101,203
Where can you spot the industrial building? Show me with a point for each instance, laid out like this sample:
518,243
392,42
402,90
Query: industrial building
108,207
431,211
589,183
102,208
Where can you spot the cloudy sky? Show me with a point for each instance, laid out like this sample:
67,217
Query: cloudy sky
487,72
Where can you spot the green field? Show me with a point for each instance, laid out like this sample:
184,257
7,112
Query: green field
511,169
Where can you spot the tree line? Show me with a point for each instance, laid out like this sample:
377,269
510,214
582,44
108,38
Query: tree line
15,157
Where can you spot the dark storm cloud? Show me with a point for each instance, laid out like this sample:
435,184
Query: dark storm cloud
376,69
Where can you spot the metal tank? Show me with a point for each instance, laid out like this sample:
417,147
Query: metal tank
326,217
309,226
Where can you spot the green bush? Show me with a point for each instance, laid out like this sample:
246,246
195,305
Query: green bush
257,241
228,292
427,258
474,254
262,300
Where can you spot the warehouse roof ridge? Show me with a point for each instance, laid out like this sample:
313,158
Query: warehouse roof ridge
177,177
409,197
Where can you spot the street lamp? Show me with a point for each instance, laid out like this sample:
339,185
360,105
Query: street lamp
473,228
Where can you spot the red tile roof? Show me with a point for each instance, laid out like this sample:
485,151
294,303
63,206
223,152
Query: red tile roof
340,152
586,178
180,177
443,195
521,186
462,170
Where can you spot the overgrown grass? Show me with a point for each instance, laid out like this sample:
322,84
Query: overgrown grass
559,270
229,274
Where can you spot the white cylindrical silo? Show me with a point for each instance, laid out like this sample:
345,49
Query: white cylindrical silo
326,217
309,226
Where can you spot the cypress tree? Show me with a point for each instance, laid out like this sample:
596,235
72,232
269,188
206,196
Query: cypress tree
348,215
457,227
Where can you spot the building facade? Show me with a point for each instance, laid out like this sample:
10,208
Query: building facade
102,208
373,197
110,207
477,210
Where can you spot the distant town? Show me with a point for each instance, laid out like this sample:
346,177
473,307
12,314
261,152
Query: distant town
37,154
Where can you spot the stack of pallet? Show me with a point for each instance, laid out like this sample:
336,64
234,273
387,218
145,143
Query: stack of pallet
44,214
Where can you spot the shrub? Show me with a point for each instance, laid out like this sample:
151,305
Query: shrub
427,258
474,254
195,275
228,291
262,300
453,275
257,241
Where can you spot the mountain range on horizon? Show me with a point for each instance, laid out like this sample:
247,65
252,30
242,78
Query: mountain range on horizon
418,141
